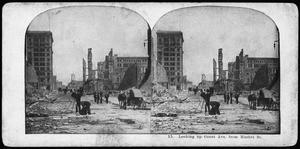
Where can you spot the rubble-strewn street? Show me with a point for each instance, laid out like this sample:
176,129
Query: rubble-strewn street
59,117
189,117
181,113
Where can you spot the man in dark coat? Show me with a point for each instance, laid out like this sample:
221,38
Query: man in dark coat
101,96
106,96
77,95
85,108
214,108
95,96
237,95
231,94
206,97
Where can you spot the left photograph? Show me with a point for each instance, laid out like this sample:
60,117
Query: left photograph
86,72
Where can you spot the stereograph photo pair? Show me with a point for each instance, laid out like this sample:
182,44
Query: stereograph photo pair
206,74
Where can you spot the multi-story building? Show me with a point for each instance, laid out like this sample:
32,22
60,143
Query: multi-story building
245,68
114,68
170,55
39,53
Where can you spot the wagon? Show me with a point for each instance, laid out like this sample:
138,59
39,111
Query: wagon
136,98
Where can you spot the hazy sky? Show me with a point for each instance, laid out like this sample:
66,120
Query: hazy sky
206,29
75,29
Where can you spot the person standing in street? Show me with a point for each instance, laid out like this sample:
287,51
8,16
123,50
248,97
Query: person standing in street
97,97
237,95
77,95
101,96
106,96
231,94
95,94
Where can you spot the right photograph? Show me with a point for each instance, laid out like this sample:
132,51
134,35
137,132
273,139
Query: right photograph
215,71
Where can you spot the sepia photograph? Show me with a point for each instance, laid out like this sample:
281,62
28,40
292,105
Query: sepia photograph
150,74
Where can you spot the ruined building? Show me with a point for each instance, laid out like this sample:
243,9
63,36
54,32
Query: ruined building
114,68
214,70
244,68
84,70
170,55
39,54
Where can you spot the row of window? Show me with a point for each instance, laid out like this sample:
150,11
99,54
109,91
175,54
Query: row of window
41,59
169,41
173,73
171,68
40,49
40,54
42,68
172,49
171,64
171,59
41,64
36,44
38,39
43,74
263,61
171,54
132,60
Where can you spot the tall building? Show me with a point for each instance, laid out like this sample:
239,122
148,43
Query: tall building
220,62
245,68
38,47
83,70
170,55
90,64
214,70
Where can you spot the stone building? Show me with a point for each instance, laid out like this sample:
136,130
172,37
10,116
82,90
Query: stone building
75,84
38,47
114,68
244,68
170,55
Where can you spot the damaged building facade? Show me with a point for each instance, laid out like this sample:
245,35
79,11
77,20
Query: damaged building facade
170,56
39,54
244,68
110,72
115,67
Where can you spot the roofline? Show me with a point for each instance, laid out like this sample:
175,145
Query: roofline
133,57
262,58
37,31
168,31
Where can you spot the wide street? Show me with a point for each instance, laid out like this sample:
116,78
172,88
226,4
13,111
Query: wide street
234,118
105,118
109,118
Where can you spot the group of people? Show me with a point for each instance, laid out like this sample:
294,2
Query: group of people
229,95
98,97
77,94
212,107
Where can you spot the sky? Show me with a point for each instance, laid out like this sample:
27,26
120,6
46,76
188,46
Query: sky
75,29
206,29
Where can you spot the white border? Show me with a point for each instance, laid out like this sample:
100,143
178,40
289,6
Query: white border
17,16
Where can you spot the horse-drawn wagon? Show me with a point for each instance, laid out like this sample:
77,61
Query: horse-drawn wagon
136,98
132,97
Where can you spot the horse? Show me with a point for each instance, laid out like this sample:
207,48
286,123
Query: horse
267,103
252,99
122,100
